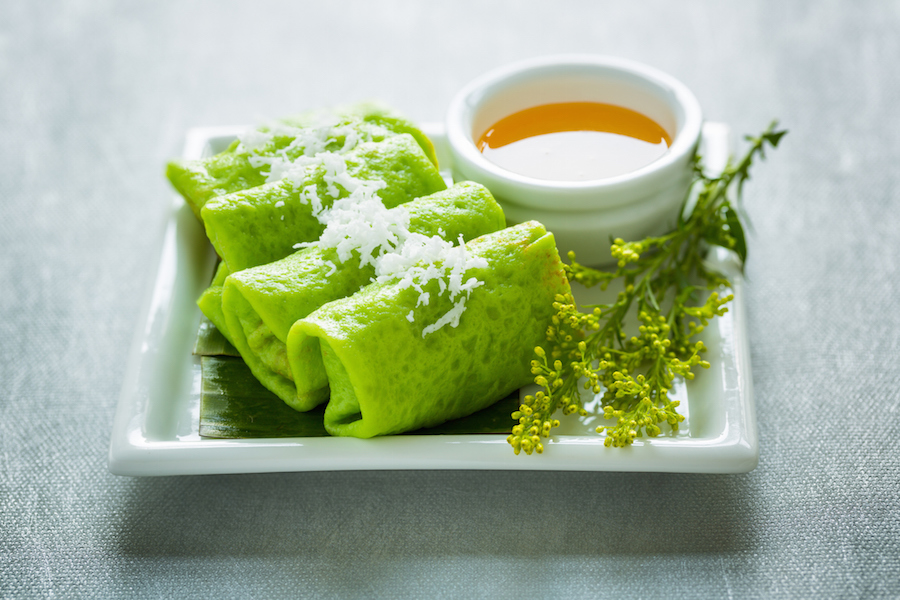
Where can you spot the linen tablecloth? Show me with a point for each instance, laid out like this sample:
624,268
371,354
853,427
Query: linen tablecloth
96,96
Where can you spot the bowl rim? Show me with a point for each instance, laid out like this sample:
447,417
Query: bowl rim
572,194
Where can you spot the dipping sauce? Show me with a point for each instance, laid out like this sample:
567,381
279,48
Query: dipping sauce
574,141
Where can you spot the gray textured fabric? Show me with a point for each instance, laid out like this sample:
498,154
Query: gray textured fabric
95,96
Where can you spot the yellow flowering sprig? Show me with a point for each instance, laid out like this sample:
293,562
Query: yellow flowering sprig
635,373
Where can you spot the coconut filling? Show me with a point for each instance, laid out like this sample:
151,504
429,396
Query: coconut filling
271,351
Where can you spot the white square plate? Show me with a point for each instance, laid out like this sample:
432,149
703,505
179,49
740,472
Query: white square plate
157,420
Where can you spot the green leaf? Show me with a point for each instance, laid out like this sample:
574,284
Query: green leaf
774,137
233,404
736,230
211,342
650,297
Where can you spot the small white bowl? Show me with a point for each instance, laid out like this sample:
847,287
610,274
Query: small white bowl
582,215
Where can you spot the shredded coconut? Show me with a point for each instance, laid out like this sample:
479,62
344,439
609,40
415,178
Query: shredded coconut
361,225
451,317
358,223
310,195
305,146
422,259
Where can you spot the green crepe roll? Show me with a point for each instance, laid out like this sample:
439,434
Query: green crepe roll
210,302
386,378
245,165
260,225
261,304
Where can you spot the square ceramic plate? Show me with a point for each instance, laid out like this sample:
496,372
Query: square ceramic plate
156,424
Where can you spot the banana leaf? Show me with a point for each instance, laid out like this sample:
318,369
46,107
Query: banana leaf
211,342
233,404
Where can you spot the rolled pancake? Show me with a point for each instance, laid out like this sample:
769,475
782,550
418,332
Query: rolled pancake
232,170
261,304
385,377
260,225
210,302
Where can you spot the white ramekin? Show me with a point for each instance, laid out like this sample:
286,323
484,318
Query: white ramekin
582,215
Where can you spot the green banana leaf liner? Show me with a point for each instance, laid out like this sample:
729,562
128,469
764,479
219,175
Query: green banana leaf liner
211,342
234,405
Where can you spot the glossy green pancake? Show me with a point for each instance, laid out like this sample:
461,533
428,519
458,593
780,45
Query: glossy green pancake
210,301
241,167
386,377
261,304
260,225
